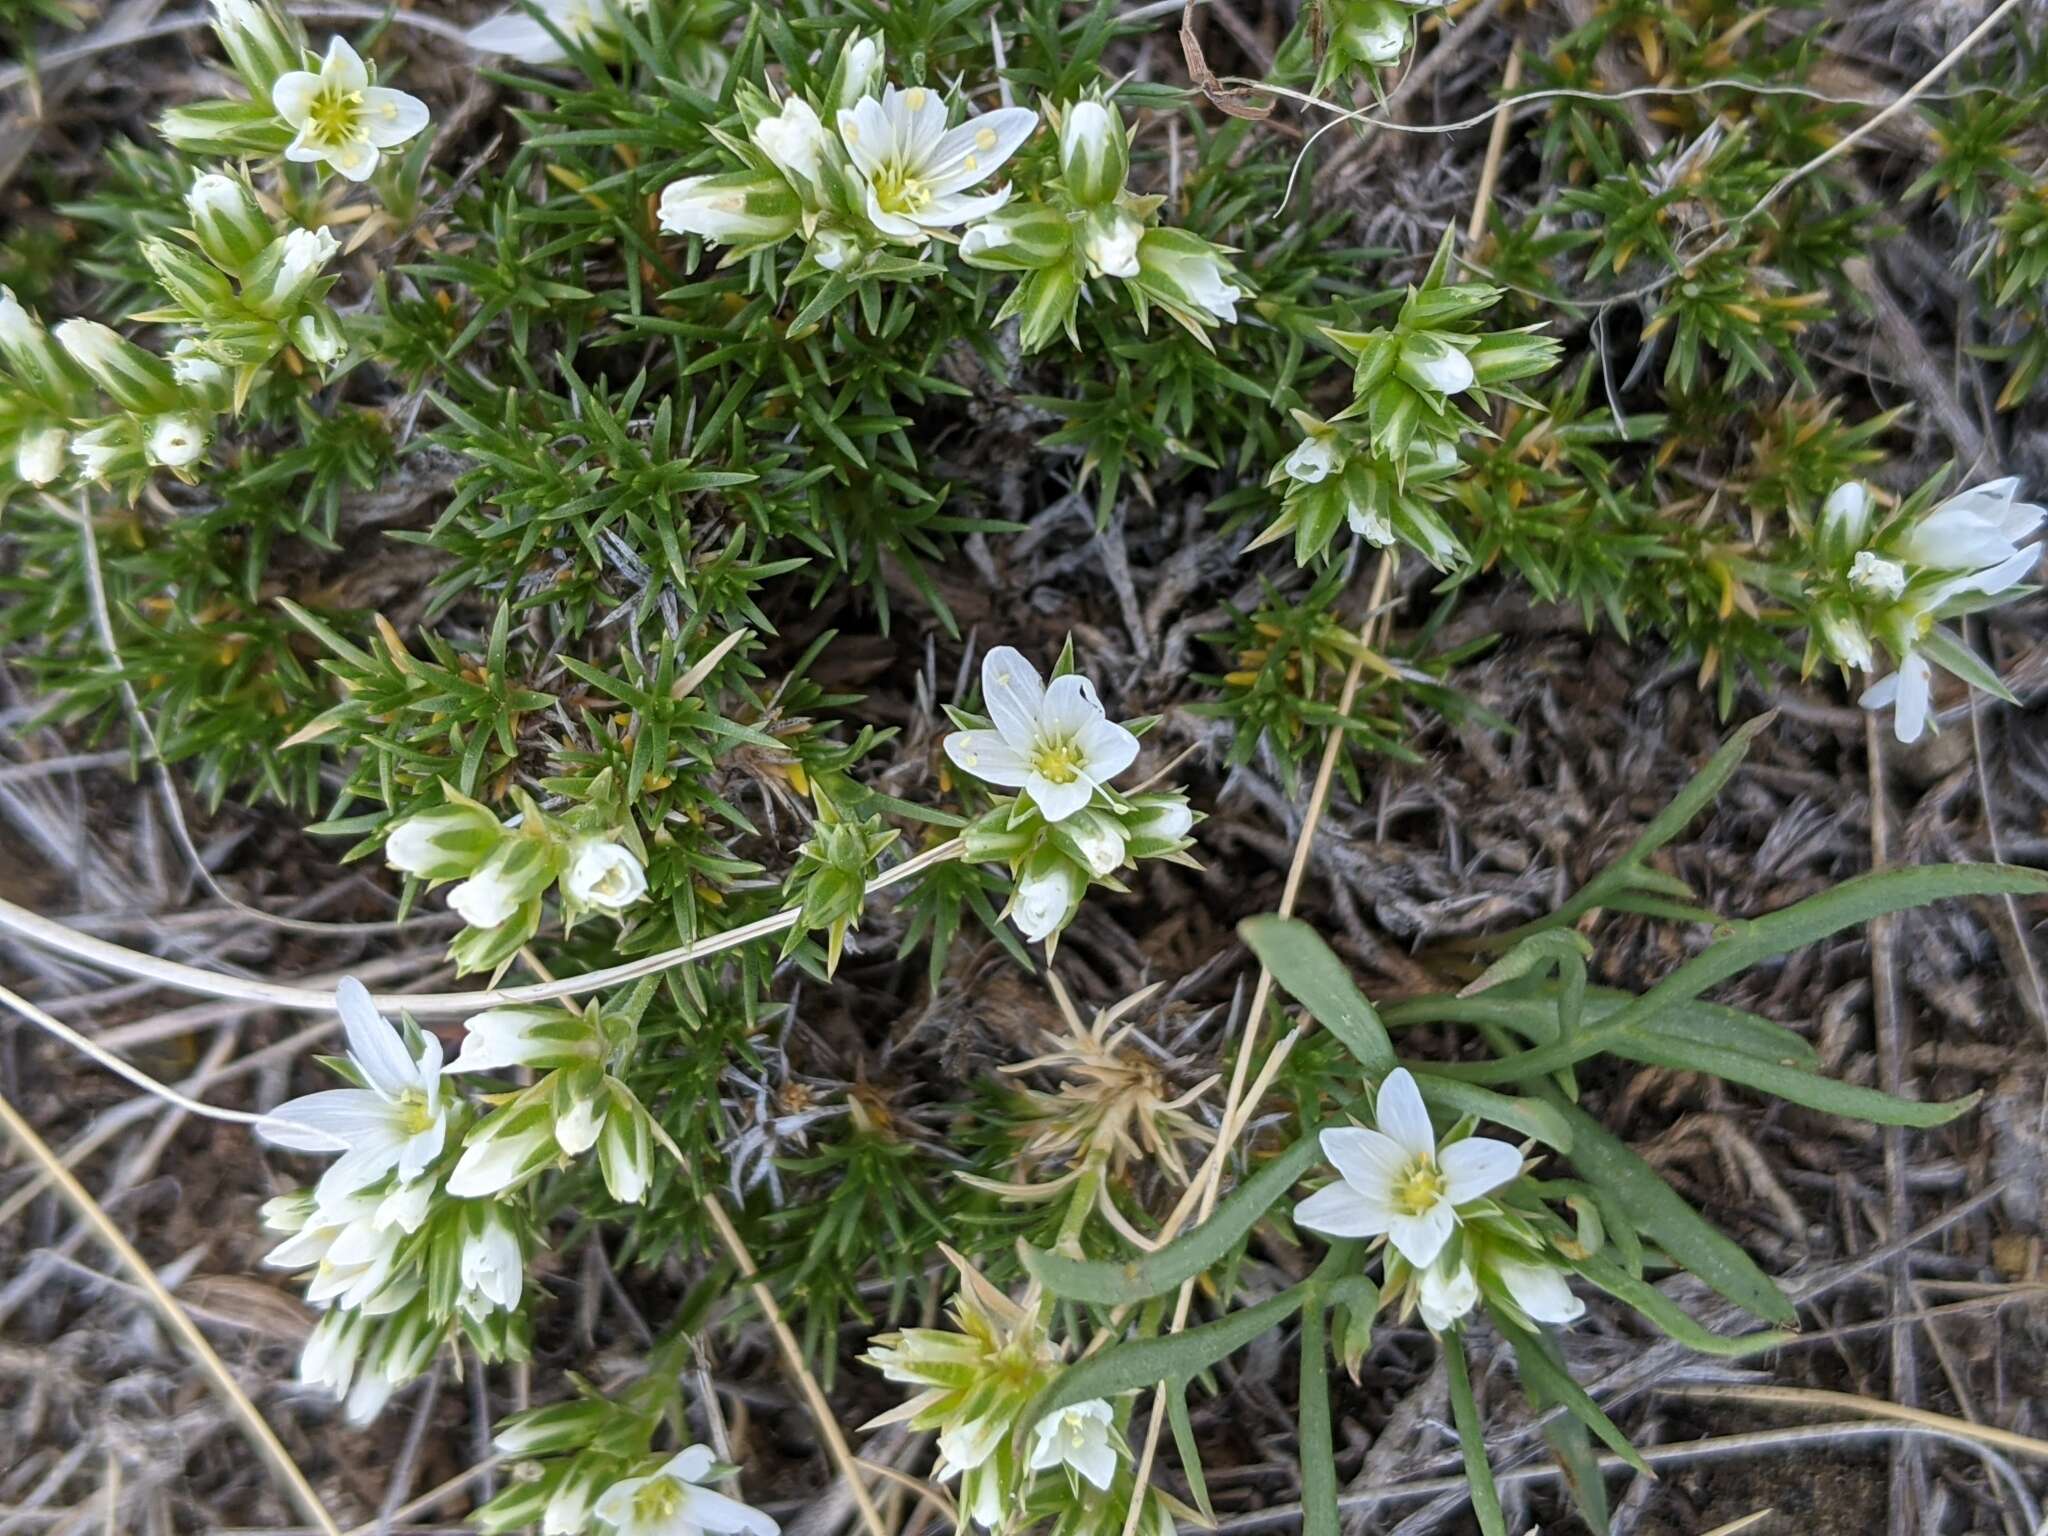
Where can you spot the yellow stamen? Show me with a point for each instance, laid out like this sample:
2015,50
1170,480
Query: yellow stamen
1419,1187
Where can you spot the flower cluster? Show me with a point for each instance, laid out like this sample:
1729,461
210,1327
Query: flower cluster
507,869
976,1380
1066,828
1381,465
870,170
1085,225
323,110
1890,582
1450,1243
394,1260
416,1228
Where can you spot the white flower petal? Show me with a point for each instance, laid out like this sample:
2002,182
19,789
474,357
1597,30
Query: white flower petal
709,1510
1419,1239
1400,1115
1056,802
342,68
1369,1161
988,757
391,117
954,209
1069,707
356,160
1107,749
373,1043
517,36
1338,1210
1444,1299
293,95
330,1121
1013,695
977,149
692,1464
1915,684
865,131
1476,1166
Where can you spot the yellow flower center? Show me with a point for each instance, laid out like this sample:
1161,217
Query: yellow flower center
1057,762
335,117
414,1115
899,192
658,1500
1419,1187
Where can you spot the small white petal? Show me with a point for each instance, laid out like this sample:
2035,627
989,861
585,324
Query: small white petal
1540,1291
1419,1239
1013,695
1476,1166
1338,1210
1400,1115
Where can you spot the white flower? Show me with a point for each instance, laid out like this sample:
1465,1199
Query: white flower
915,171
738,207
1077,1437
302,255
1185,271
1042,900
1397,1180
1430,362
175,441
1845,515
1111,245
329,1358
1977,532
39,455
397,1122
342,119
520,36
517,1037
1908,689
1874,576
1055,743
443,841
17,327
670,1502
604,875
1848,642
195,370
1444,1298
359,1265
1369,522
492,1267
492,895
1540,1291
1168,821
793,140
1313,459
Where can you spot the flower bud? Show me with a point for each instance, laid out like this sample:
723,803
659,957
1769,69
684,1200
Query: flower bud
1159,823
1095,839
604,875
1432,364
284,274
445,843
1845,637
793,140
1045,303
1374,32
191,282
859,70
832,248
1188,275
1109,243
39,365
39,454
108,450
740,208
319,336
625,1146
137,380
261,40
228,222
1873,575
554,1429
206,382
509,1146
1022,237
1045,897
540,1037
1095,153
515,874
176,440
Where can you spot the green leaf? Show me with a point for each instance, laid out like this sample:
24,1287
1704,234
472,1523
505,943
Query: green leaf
1547,1382
1951,655
1532,1117
1792,1083
1310,972
1190,1452
1472,1441
1669,1316
1318,1454
1122,1281
1653,1206
1176,1358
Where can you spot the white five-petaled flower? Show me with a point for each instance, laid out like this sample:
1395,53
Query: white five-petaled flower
916,171
604,875
1077,1437
342,119
1396,1179
670,1502
1055,743
397,1122
175,441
